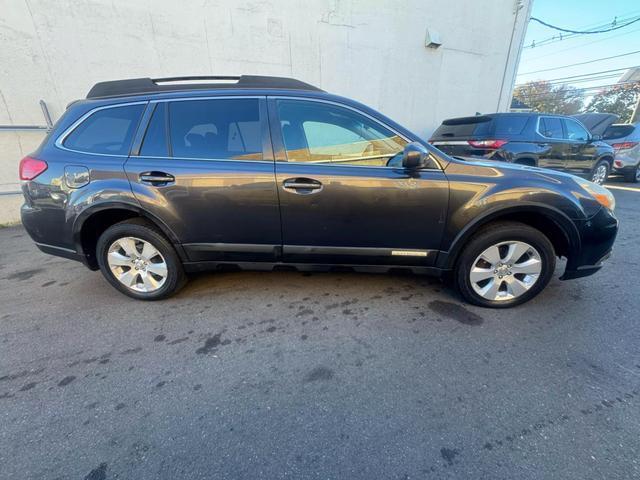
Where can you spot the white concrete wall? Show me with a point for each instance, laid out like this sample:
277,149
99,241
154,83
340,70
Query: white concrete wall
370,50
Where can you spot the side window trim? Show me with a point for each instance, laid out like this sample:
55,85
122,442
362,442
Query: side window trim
59,143
541,117
277,139
267,151
141,131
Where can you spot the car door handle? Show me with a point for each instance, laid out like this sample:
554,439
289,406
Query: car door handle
302,185
157,178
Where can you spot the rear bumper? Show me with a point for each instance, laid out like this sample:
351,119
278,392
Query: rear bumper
597,236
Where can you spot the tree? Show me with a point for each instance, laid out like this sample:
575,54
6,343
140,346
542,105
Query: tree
619,99
543,96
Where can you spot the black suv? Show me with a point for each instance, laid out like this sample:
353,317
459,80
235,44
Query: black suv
536,139
149,179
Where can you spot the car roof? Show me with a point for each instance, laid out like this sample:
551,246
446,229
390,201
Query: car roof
150,86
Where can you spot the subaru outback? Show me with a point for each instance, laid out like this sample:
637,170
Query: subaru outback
148,180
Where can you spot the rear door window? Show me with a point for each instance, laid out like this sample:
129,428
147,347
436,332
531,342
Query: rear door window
551,127
227,129
108,131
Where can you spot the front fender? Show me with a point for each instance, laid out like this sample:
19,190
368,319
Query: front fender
447,258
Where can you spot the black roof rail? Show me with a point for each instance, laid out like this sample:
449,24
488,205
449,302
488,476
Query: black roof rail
136,86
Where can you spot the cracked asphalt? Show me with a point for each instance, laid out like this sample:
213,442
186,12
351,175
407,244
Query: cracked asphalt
329,376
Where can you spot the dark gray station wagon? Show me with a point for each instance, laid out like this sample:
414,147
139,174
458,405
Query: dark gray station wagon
148,180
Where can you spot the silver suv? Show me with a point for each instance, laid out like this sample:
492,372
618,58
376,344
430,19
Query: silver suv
625,140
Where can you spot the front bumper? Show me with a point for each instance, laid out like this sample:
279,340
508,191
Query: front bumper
597,236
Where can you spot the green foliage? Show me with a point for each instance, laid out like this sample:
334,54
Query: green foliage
618,99
542,96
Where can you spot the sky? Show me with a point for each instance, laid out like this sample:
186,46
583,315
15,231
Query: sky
580,15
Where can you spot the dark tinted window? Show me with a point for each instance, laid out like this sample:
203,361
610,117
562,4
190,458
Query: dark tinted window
618,131
551,127
216,129
155,139
322,133
106,131
464,127
509,125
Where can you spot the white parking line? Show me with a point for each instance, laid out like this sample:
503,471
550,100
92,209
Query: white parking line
630,189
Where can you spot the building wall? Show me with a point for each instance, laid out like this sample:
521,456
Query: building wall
370,50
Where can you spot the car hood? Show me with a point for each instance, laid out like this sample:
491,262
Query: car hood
597,123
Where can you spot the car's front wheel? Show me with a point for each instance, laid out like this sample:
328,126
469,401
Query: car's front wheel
600,172
139,261
504,265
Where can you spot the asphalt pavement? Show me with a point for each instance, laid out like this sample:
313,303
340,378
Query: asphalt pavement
323,376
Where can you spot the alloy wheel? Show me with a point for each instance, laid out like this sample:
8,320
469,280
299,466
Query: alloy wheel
505,271
600,175
137,264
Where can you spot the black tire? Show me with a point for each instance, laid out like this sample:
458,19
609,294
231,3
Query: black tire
633,176
496,233
144,230
594,173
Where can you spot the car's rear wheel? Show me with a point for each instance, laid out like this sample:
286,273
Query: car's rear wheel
633,176
139,261
505,265
600,172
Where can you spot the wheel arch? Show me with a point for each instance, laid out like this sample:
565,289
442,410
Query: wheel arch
90,224
557,226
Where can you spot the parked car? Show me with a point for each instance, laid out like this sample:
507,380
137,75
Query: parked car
542,140
623,137
147,180
625,140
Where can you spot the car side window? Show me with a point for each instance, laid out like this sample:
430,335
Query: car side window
108,131
227,129
551,127
318,132
575,131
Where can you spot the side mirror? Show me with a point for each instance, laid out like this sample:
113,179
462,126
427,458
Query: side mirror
414,156
595,138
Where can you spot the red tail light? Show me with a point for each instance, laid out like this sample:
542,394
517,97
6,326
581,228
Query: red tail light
624,145
491,144
30,168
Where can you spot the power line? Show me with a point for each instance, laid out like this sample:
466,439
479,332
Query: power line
557,52
574,90
557,38
580,63
586,74
585,32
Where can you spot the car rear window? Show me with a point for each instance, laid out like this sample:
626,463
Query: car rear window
464,127
618,131
480,126
216,129
107,131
